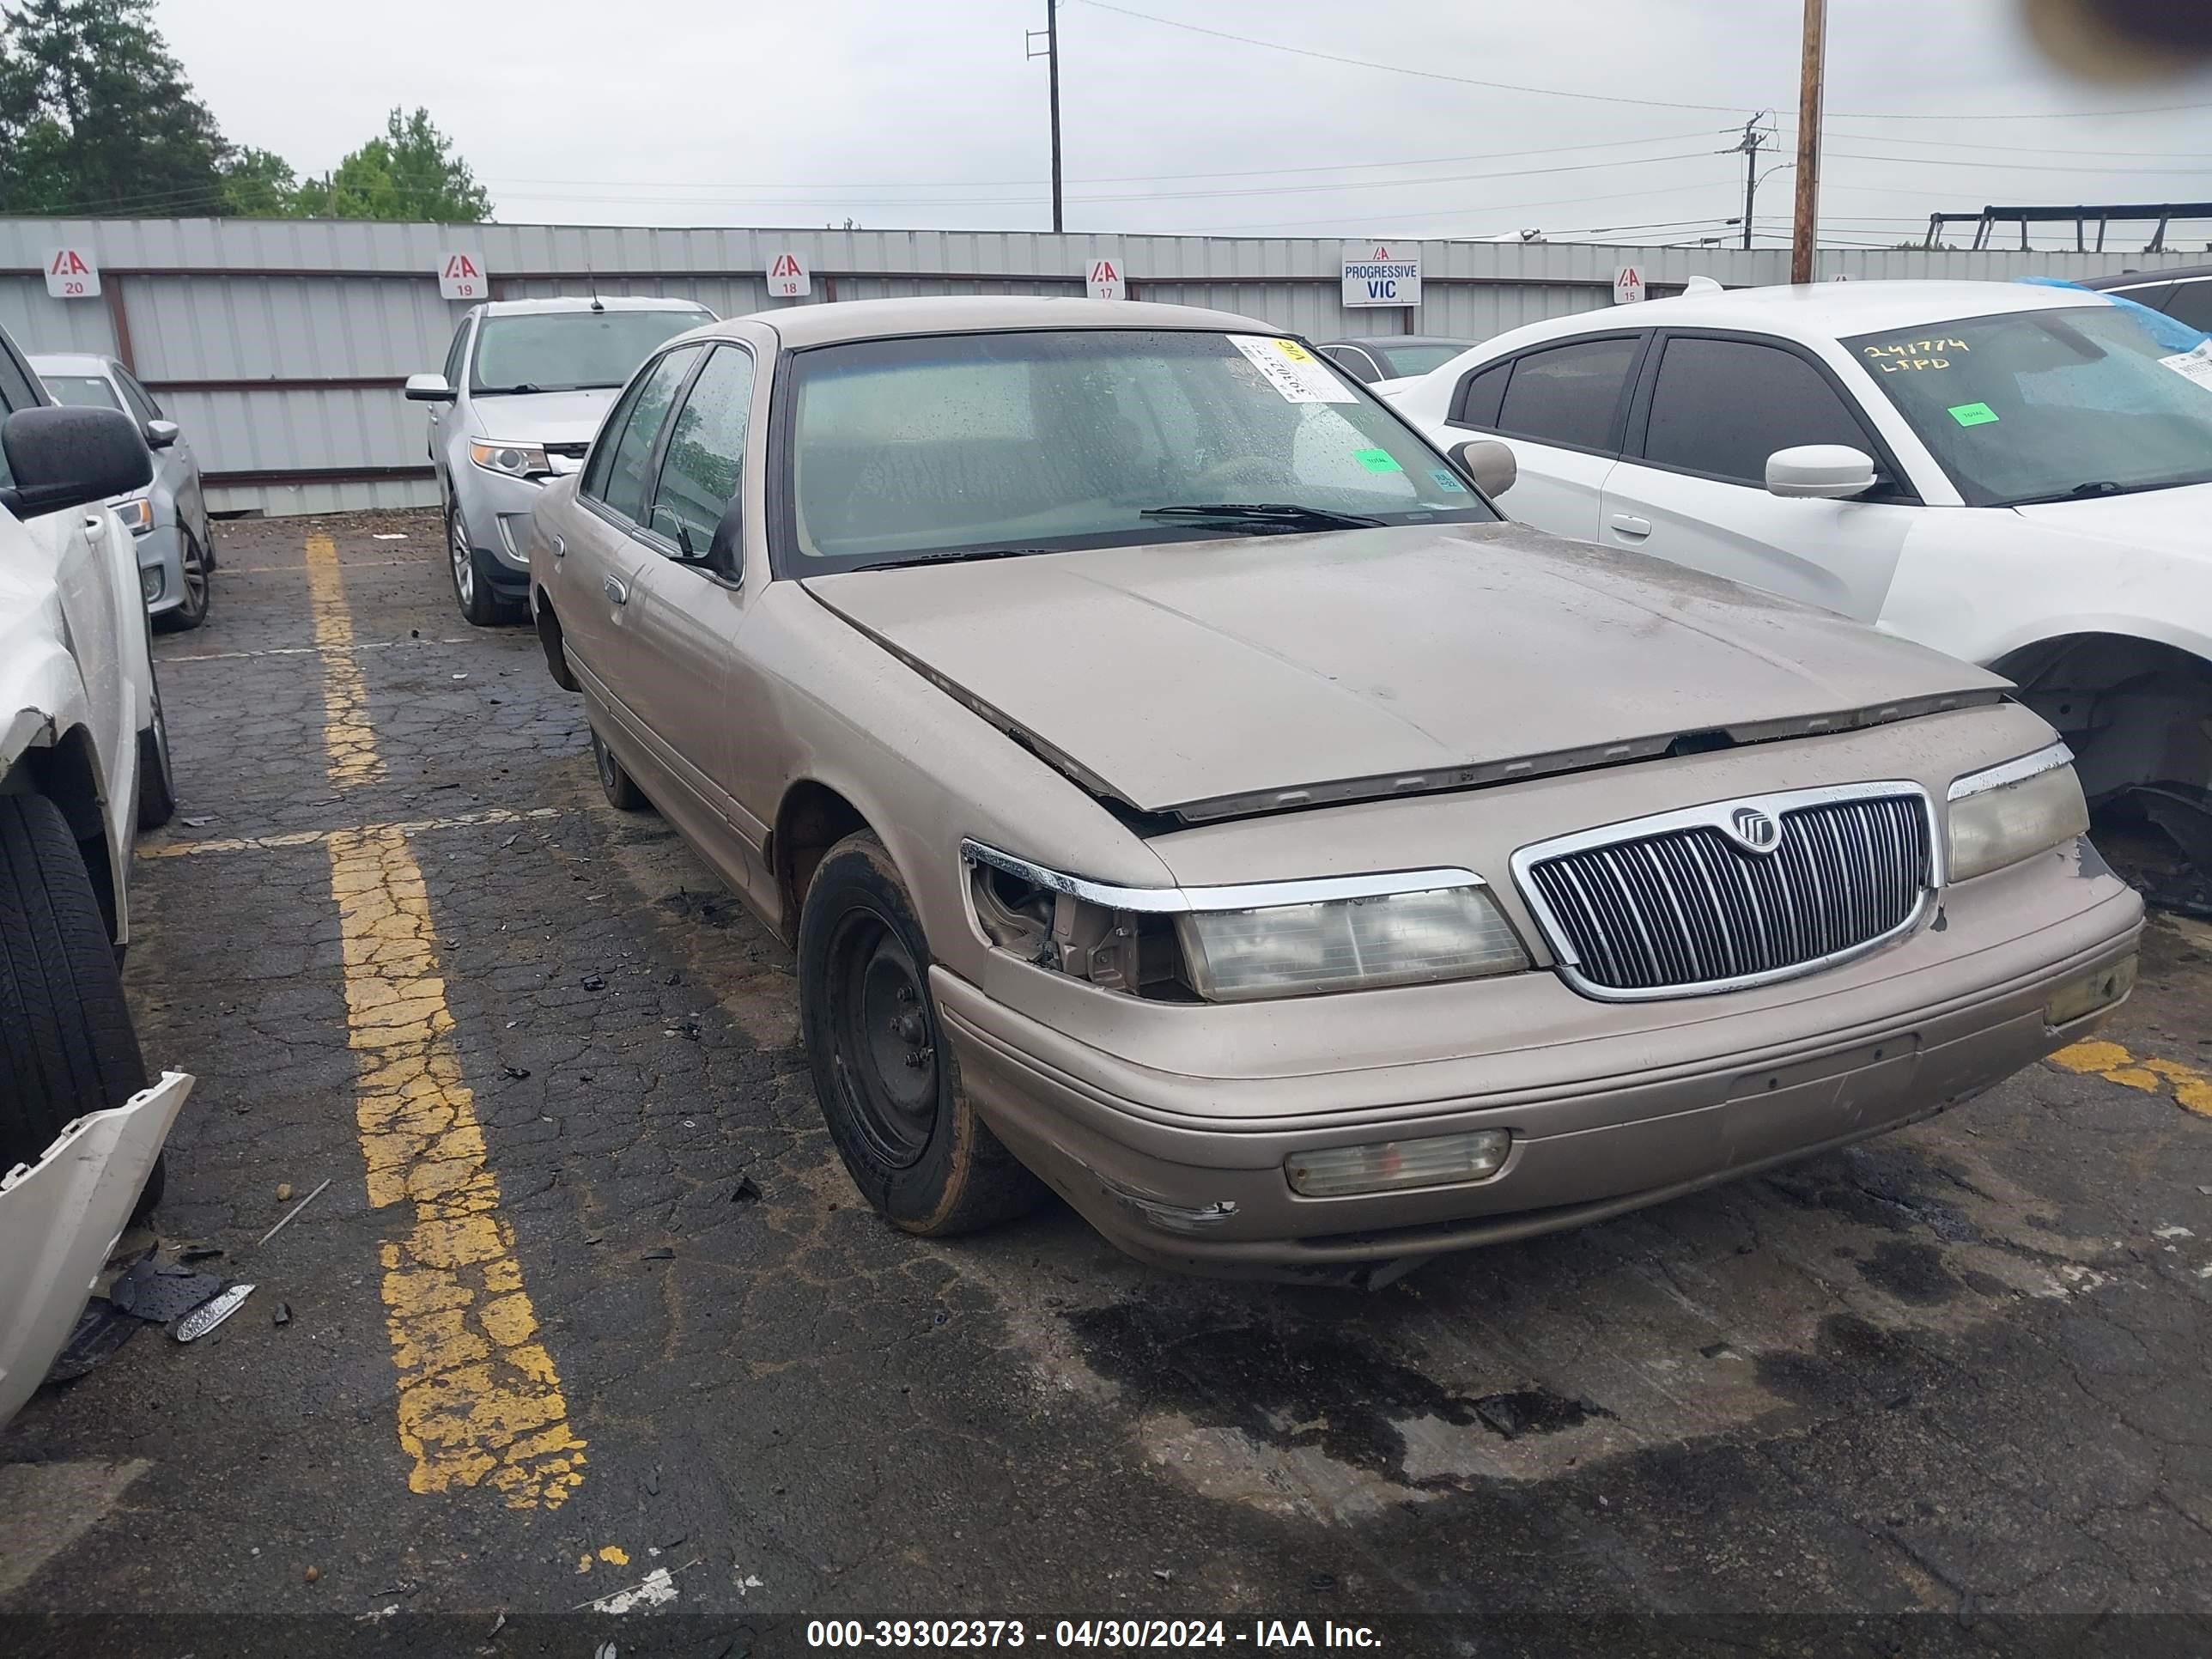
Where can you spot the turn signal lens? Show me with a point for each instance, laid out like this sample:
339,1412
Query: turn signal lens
1395,1165
2085,996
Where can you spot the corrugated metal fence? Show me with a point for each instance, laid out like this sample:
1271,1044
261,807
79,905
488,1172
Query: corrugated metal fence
281,345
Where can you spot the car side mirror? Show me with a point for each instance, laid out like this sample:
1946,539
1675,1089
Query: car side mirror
725,553
1821,472
162,434
1492,464
430,389
63,458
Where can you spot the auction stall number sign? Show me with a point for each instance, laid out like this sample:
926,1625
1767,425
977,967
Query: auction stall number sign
1102,279
72,273
1382,274
787,277
462,275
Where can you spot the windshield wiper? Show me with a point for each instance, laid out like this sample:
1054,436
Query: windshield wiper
524,388
2082,492
960,556
1285,514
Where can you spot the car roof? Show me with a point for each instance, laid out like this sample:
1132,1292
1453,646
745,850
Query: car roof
1815,311
69,363
1366,342
871,319
550,303
2140,278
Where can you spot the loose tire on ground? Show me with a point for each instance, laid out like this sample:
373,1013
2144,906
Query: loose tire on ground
888,1082
67,1048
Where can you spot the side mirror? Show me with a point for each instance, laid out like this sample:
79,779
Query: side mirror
1492,464
65,458
162,434
430,389
1820,472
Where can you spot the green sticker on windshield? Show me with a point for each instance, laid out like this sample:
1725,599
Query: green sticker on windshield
1973,415
1381,461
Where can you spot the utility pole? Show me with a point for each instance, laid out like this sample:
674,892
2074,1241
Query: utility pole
1051,55
1754,142
1805,231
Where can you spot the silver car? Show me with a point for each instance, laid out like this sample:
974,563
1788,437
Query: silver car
168,518
527,382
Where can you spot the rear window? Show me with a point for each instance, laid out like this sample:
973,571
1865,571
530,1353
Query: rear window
81,391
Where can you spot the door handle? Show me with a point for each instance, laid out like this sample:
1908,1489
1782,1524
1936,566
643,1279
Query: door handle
616,590
1628,525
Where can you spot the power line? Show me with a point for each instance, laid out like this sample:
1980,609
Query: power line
1600,97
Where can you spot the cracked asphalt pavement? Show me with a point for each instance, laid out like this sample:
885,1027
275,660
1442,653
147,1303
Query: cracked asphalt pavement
590,1299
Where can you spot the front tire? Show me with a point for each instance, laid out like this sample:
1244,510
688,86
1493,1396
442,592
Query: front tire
67,1048
888,1084
472,587
157,782
199,592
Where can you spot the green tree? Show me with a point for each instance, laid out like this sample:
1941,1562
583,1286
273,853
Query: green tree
409,172
258,184
96,117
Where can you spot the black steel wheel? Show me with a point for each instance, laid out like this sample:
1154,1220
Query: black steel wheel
888,1084
615,783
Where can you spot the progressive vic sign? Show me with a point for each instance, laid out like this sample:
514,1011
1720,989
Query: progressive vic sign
1382,274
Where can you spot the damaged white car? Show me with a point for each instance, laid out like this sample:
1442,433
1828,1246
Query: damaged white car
84,763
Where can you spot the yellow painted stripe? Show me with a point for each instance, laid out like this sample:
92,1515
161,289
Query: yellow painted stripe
2191,1089
495,815
347,736
479,1401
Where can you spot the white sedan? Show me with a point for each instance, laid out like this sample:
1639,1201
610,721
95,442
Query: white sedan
2019,476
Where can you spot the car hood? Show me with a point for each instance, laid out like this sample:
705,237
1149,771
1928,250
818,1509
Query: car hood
543,417
1213,678
2169,520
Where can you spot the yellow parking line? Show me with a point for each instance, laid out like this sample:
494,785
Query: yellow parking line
495,815
479,1403
2192,1089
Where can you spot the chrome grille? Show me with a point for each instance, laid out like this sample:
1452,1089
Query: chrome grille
1680,904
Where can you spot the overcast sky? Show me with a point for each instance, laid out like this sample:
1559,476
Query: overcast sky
893,113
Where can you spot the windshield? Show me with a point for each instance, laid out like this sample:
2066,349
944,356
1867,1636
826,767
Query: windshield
1405,359
569,351
940,444
81,391
2047,406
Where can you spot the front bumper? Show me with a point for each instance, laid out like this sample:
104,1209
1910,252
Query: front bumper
160,553
1608,1111
495,511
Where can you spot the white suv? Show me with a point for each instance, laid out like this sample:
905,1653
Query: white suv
84,762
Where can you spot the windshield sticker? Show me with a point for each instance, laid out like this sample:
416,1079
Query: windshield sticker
1447,479
1293,371
1906,356
2193,365
1377,461
1974,414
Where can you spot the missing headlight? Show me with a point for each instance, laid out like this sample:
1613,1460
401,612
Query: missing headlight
1118,950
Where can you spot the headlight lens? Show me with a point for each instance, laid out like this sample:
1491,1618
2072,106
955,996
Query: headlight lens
1347,944
137,513
1998,817
515,460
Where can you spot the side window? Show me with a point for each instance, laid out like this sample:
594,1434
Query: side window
1571,395
2192,304
2153,294
15,393
1356,363
456,356
706,458
142,406
1721,407
1480,396
620,473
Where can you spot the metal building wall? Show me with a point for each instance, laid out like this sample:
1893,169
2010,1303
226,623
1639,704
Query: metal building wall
281,345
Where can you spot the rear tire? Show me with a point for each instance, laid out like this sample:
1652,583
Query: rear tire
157,783
620,790
887,1081
67,1048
